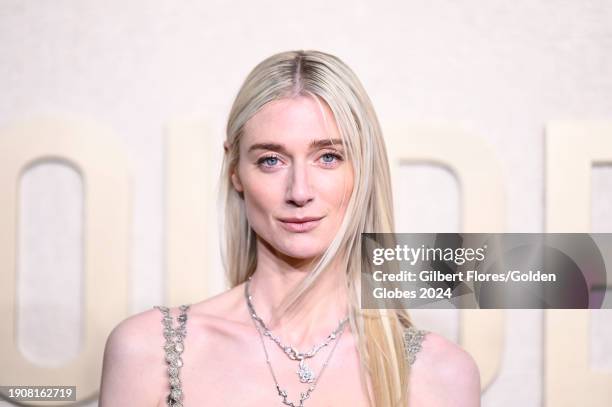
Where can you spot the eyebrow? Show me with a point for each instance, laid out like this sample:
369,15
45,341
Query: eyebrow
281,148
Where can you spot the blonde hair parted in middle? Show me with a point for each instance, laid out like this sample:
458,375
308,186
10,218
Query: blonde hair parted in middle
379,333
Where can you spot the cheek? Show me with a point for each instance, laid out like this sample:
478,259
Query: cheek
259,197
348,189
336,189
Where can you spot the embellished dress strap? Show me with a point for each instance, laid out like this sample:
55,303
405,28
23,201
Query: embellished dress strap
413,338
173,348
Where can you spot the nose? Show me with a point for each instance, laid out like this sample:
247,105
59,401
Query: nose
299,191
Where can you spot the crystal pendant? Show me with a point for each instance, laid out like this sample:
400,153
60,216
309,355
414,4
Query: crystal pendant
305,373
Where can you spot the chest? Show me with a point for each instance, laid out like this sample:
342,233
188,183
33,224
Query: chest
236,374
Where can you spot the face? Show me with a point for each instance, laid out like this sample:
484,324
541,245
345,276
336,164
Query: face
294,176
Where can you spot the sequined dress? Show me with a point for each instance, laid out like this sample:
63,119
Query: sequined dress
174,346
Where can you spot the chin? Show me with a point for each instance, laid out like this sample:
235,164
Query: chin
302,250
297,245
305,253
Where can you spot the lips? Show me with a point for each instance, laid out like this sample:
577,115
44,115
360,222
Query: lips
300,225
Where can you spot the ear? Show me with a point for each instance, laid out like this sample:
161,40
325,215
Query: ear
234,172
236,180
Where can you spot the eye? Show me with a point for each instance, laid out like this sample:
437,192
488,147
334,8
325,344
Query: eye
330,159
268,161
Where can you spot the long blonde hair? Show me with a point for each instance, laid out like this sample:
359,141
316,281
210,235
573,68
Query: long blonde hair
379,333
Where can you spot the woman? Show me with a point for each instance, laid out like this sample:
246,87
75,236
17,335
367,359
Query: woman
305,173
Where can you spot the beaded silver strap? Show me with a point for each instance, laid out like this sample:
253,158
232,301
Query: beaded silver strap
412,341
173,348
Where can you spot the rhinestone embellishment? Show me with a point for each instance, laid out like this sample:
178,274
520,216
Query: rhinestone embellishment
173,348
305,373
413,339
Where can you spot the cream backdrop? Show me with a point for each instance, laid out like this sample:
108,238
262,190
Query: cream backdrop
497,114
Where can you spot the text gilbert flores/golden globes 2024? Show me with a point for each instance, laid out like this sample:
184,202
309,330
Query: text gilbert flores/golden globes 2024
465,277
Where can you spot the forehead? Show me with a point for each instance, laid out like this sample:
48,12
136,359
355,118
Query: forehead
293,120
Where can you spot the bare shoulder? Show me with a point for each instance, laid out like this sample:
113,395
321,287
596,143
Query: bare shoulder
133,372
226,307
134,369
447,372
130,334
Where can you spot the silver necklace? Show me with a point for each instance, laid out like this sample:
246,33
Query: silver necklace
282,392
304,372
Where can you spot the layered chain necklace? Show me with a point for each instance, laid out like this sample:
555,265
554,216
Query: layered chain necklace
304,372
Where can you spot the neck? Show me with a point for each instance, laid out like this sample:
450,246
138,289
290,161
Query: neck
315,316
